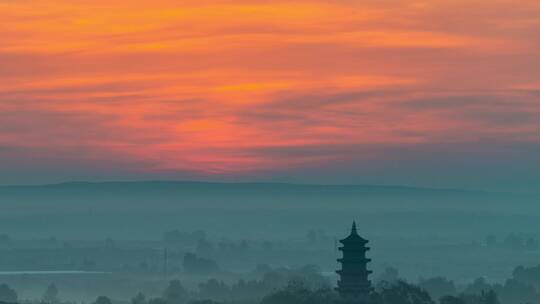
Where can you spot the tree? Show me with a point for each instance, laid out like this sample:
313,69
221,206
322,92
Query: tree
490,297
51,294
531,244
514,241
109,243
244,246
214,289
297,293
529,275
4,239
175,293
438,287
177,236
390,275
485,297
157,301
491,240
88,264
322,295
7,294
478,287
103,300
194,264
267,246
294,293
451,300
403,293
516,292
204,247
140,298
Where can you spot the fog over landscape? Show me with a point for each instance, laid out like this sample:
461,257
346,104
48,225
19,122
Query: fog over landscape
112,237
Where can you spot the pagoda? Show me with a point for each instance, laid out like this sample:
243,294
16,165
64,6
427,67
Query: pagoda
353,283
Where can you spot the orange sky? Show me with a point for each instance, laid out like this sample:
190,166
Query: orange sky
235,87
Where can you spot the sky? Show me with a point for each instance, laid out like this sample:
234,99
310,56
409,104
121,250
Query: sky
438,93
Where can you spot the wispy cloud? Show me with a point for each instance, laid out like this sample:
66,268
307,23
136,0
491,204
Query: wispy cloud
237,87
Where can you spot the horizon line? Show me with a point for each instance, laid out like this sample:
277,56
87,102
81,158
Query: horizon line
268,183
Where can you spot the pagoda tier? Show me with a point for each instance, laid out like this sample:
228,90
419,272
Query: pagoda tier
354,272
354,282
354,260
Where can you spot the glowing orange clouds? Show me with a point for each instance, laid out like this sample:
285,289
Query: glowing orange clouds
224,86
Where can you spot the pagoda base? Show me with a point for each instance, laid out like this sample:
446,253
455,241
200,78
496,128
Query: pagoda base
353,300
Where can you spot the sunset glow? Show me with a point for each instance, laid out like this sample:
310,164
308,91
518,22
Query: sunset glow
233,87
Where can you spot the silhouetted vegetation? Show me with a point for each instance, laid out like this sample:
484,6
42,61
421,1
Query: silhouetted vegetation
297,293
51,295
7,294
197,265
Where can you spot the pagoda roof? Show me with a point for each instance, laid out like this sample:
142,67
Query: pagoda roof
354,237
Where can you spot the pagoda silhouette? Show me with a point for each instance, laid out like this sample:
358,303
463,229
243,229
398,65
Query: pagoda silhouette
353,284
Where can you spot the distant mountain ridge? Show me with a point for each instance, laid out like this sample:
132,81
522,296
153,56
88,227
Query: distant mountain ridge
236,185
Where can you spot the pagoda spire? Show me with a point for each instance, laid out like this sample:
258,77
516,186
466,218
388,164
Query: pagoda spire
353,229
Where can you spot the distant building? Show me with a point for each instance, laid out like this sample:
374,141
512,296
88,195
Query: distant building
353,284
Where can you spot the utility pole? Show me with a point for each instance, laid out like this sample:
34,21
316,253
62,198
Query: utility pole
165,257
